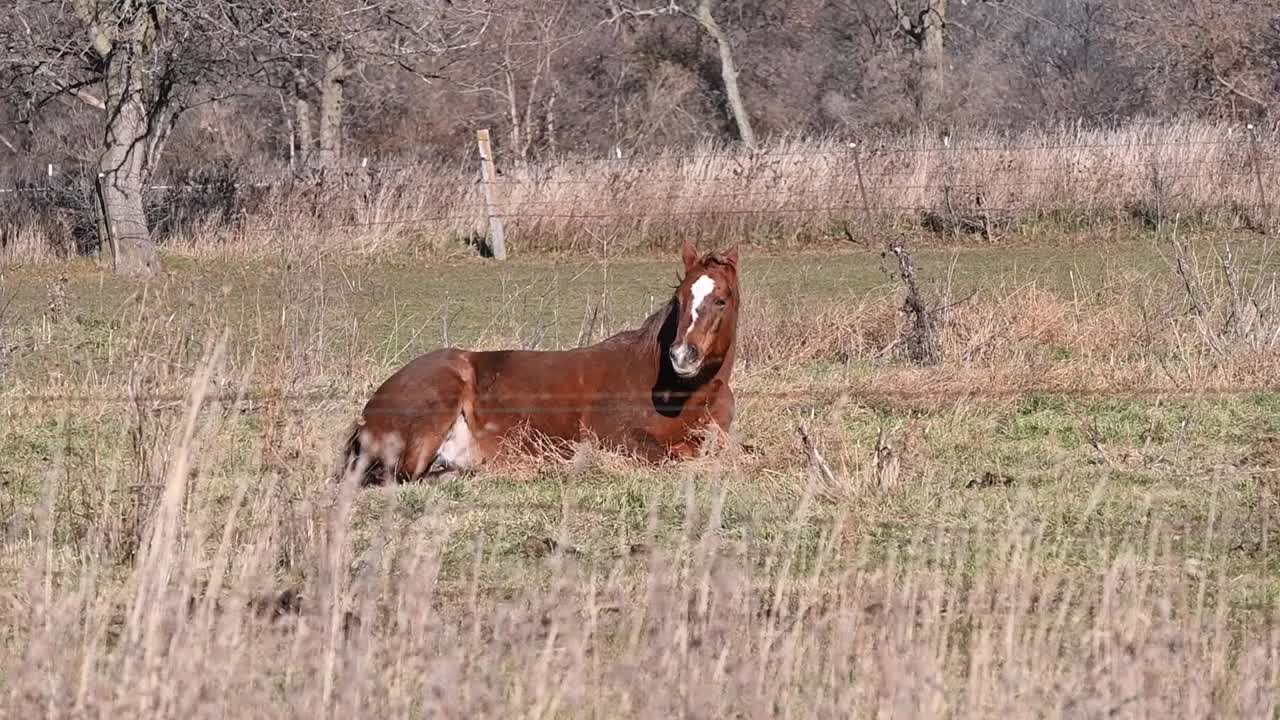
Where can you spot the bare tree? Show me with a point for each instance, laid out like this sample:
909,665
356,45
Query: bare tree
323,44
925,26
519,72
702,14
1207,55
131,62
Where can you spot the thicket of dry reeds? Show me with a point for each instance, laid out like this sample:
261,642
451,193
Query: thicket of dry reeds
973,184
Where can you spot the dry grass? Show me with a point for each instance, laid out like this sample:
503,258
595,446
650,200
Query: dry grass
790,192
1133,333
184,554
977,625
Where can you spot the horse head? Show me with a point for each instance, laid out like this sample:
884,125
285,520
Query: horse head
706,304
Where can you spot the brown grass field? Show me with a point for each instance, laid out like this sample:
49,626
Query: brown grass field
1073,515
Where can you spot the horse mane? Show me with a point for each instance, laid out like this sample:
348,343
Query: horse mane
649,329
716,258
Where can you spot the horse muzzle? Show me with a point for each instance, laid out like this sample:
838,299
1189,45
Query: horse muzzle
685,360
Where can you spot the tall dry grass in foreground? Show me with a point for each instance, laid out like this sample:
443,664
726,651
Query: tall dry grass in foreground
974,625
793,191
194,582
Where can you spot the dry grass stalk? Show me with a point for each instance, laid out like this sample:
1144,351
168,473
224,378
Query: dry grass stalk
981,629
832,487
1234,303
888,463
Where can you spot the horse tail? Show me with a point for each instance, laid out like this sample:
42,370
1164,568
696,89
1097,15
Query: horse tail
352,455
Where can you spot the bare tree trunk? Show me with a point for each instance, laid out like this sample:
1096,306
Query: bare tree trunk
123,44
551,121
335,74
122,169
728,73
933,58
514,111
302,126
302,117
927,31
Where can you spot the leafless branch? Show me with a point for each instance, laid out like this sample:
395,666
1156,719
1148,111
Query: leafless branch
622,12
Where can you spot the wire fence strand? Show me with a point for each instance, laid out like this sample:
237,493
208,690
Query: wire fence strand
533,404
756,161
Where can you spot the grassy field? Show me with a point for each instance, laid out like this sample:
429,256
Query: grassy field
1072,515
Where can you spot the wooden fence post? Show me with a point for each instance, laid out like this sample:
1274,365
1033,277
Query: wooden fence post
497,235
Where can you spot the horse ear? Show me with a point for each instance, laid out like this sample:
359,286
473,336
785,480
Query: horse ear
731,255
689,254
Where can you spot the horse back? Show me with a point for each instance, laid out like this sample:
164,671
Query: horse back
560,392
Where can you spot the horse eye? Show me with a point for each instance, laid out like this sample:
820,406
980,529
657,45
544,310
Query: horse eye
721,302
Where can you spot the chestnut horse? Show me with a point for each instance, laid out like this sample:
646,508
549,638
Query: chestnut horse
652,391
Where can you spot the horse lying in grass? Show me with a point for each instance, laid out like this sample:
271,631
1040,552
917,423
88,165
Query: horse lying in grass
653,391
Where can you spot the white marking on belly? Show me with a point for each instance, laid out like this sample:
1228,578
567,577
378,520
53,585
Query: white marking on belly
702,287
459,448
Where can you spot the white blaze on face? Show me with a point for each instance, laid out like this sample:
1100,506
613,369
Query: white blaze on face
702,287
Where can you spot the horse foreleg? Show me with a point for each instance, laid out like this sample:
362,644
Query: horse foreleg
718,416
721,406
686,449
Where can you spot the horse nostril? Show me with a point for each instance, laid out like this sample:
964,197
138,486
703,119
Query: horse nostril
683,355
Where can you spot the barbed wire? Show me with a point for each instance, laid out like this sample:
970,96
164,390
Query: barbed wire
847,149
847,155
409,223
854,393
869,150
644,180
507,206
954,207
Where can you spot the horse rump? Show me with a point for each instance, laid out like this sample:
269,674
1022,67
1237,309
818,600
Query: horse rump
354,460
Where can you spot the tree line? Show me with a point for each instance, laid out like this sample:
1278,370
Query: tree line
128,89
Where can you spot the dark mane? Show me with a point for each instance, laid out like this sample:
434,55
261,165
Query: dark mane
648,329
716,258
713,258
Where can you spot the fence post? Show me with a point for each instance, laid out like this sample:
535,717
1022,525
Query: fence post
497,235
862,188
1257,176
